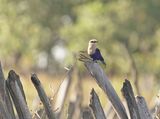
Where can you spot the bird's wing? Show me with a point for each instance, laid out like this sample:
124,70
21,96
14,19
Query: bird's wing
100,56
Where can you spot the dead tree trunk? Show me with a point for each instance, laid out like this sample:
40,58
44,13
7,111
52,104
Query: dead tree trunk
103,81
43,96
96,106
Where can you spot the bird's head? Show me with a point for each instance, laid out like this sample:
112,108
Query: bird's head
93,41
92,46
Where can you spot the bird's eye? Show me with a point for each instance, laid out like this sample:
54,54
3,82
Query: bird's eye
93,41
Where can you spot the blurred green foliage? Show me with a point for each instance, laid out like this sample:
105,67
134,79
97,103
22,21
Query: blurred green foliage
123,28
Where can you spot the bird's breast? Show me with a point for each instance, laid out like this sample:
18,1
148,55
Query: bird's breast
90,51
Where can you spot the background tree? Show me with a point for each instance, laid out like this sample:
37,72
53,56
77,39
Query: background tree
128,32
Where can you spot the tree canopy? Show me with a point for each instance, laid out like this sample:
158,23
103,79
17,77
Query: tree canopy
126,30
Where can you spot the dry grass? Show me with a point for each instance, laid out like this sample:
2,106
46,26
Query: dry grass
51,85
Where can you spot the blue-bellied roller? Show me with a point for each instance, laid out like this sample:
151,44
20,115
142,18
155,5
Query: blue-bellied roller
94,52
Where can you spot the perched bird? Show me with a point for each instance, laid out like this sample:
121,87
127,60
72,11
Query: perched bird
94,52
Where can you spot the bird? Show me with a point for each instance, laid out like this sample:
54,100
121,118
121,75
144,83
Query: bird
94,52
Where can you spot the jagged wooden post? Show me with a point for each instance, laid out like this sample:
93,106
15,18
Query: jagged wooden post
71,110
63,94
110,113
157,106
43,96
9,102
130,98
103,81
6,108
96,106
13,84
87,113
137,106
143,109
3,111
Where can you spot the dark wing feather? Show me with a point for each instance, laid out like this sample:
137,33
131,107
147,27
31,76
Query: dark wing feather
100,56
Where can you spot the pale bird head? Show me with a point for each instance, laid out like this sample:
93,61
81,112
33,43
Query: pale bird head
93,41
92,46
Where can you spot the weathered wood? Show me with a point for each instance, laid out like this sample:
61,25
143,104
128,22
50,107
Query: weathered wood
21,88
6,108
17,96
2,84
43,96
143,109
3,112
87,114
130,98
71,110
74,110
111,114
79,93
14,76
39,114
156,113
9,103
96,106
103,81
63,94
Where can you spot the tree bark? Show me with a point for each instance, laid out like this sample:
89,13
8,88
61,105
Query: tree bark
103,81
43,96
17,95
87,114
96,106
6,110
143,109
130,98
